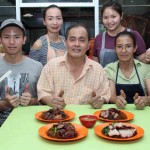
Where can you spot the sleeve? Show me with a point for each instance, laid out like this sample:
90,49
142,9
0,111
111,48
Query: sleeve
110,72
45,84
104,88
35,54
39,70
97,45
40,54
34,75
140,43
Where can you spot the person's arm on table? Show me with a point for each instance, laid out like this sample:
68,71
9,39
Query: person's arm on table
142,101
102,94
96,101
45,90
118,100
56,101
9,101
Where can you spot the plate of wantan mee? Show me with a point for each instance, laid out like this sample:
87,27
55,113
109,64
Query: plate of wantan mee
119,131
63,132
113,114
54,115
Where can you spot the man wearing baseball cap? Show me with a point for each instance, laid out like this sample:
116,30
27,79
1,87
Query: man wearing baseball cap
18,73
10,22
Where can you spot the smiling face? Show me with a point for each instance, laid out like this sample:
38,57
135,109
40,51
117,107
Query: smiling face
111,19
53,20
125,48
12,39
77,42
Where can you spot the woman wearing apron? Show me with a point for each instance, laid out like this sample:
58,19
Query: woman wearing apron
103,51
129,78
52,44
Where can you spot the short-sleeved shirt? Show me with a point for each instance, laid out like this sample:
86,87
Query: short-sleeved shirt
143,71
56,76
25,72
110,43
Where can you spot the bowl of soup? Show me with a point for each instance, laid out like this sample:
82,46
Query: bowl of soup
88,120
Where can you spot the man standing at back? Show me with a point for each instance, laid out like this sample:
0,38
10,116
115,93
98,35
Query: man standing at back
74,78
18,73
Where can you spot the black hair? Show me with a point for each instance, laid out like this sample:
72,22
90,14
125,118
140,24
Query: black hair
126,33
50,6
115,5
78,25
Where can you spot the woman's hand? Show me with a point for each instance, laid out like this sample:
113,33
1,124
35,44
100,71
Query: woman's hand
141,101
120,100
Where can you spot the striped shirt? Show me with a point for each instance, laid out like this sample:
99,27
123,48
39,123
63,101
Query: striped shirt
56,76
58,46
41,53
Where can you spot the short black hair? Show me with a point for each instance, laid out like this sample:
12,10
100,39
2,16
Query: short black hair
127,33
78,25
50,6
115,5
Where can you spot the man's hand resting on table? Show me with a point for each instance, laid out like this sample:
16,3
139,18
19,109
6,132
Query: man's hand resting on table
96,101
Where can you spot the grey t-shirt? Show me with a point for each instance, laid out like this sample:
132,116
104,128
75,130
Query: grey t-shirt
26,72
